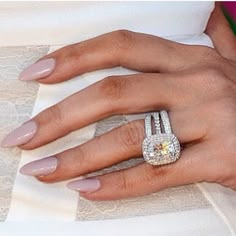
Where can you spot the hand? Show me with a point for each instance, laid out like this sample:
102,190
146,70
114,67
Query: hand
196,84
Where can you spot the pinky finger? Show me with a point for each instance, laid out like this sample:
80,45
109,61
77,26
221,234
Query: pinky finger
143,179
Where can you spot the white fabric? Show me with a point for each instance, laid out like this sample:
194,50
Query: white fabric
224,201
189,223
63,23
16,104
51,23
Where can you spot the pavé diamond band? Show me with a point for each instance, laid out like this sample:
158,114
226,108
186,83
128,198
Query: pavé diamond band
161,147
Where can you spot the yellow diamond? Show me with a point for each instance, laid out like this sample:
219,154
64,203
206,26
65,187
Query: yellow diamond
163,148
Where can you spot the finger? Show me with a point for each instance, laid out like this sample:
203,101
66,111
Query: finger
132,50
113,147
221,34
144,178
114,95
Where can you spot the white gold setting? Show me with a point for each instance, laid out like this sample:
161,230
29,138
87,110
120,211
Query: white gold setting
163,147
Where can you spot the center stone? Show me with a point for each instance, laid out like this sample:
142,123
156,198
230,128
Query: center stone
165,148
160,149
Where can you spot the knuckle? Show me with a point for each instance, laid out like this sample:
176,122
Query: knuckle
208,53
112,88
131,135
75,52
123,183
80,154
69,51
123,39
53,113
208,56
214,80
83,157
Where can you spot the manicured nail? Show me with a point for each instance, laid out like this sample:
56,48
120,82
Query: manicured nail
38,70
85,185
21,135
44,166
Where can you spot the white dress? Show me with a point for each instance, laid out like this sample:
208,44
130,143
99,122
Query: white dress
204,209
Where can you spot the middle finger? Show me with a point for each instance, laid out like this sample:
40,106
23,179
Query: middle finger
113,95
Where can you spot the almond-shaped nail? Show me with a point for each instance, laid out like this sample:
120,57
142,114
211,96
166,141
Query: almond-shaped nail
39,70
41,167
21,135
85,185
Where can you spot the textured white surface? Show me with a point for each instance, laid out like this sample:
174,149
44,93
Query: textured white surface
16,103
187,223
32,199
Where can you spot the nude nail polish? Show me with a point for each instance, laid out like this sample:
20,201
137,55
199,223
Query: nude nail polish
21,135
85,185
39,70
41,167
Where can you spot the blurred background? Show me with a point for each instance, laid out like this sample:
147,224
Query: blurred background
229,9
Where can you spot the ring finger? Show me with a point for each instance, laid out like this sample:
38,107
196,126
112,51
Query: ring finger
113,147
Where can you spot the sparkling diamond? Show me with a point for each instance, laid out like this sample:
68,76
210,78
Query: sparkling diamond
161,149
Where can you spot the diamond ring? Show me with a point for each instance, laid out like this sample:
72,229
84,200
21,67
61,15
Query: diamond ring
163,146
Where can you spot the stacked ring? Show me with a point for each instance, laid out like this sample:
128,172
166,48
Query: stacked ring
161,147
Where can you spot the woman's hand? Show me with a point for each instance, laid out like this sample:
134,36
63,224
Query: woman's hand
196,84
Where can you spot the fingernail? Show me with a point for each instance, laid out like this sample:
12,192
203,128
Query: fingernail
21,135
44,166
85,185
38,70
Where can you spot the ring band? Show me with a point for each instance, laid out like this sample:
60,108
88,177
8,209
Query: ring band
163,146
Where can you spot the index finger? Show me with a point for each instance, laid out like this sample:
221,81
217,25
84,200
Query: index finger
137,51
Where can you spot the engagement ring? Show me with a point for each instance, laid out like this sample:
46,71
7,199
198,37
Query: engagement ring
162,146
